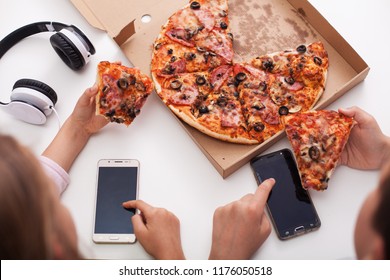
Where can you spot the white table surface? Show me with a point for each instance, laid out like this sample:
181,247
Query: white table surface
174,173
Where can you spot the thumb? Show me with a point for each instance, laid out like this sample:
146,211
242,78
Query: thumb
359,115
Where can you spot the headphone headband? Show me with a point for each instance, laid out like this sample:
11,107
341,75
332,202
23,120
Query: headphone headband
44,26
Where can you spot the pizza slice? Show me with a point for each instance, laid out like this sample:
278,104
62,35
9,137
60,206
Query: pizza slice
170,58
318,139
122,92
300,73
261,113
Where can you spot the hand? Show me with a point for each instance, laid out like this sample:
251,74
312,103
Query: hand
76,131
157,229
367,147
241,227
84,112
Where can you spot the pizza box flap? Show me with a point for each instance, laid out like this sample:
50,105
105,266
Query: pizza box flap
123,21
259,27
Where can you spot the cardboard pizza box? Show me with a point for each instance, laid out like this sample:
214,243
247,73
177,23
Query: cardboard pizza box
259,27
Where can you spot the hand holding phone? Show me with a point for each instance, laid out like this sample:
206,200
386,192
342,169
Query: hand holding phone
117,181
290,207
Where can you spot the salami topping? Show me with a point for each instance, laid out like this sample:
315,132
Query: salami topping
180,36
186,96
206,18
220,75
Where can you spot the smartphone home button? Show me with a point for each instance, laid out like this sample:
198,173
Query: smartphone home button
114,238
298,229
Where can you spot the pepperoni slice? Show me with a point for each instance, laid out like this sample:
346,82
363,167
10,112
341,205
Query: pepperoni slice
220,75
180,36
218,42
256,73
186,96
295,86
230,117
206,18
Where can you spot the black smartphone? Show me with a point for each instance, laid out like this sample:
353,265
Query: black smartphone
289,205
117,181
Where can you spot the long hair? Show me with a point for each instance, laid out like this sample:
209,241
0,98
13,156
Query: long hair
381,221
27,210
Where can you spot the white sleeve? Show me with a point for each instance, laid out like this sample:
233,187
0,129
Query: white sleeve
55,172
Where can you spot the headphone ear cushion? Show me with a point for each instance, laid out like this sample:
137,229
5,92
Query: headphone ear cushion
67,51
38,86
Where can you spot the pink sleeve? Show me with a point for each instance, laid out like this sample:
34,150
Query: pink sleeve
55,172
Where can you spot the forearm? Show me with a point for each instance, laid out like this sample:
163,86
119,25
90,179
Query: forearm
67,144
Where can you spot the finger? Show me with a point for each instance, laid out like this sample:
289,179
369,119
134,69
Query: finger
86,97
262,192
92,90
138,204
247,197
138,224
357,113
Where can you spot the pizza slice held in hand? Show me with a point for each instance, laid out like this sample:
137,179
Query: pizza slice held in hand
318,139
122,92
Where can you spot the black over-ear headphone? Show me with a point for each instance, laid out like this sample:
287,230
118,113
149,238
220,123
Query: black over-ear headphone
31,100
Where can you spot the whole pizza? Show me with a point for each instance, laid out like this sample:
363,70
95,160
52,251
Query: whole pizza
241,102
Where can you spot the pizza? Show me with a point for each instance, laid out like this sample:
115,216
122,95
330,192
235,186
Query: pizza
195,75
122,91
317,139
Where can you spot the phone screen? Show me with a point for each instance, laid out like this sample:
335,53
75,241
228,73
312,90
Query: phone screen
289,205
116,184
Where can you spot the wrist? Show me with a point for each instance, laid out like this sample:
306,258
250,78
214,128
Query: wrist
386,151
77,128
176,255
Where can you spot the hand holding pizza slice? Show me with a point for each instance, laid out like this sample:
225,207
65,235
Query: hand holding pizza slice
122,92
318,139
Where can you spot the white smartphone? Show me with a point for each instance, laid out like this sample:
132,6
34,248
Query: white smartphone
117,182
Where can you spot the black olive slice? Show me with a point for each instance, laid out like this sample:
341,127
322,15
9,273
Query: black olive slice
106,89
263,86
268,65
301,49
190,56
195,5
258,127
283,111
258,106
240,77
123,83
223,25
317,60
222,101
314,153
230,35
170,51
176,84
200,80
110,113
203,110
132,80
199,49
289,80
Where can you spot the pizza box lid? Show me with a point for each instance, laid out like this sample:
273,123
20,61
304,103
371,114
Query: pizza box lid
275,25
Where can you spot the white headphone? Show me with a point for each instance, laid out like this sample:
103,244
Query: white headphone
31,100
